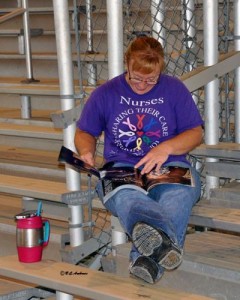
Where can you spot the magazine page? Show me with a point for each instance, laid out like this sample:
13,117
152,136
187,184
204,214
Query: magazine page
115,177
170,174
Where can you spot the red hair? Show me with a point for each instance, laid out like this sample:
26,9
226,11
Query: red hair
146,53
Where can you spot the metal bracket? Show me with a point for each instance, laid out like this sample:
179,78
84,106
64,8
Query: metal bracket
75,254
62,119
78,197
83,9
81,225
33,32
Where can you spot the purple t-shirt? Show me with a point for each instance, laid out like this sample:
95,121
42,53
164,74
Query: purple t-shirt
133,123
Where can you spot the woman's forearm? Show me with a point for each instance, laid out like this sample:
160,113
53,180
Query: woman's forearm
85,144
184,142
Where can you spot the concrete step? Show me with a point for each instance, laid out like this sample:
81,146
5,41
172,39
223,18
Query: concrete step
210,267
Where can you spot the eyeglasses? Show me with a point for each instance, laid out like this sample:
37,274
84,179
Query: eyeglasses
148,81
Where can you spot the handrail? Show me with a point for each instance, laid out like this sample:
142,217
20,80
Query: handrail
202,75
12,14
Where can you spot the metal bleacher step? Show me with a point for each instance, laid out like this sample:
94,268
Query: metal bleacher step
17,290
24,130
85,57
38,116
89,283
228,195
225,169
29,136
209,257
215,215
228,151
44,87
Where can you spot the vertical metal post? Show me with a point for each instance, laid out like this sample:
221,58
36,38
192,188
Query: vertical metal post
157,13
26,107
237,71
26,100
118,234
27,42
115,62
115,37
189,28
63,296
77,37
65,71
92,68
210,13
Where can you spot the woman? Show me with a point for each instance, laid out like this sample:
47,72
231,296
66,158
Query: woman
149,120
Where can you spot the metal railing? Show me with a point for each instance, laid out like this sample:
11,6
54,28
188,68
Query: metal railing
25,39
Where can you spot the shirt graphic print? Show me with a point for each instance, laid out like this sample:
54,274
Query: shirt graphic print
139,128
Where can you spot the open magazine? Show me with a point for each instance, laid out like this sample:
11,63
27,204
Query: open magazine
116,178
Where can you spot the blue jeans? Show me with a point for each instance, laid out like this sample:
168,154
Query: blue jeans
167,207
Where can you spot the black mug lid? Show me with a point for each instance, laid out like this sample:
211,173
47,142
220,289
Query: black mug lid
26,214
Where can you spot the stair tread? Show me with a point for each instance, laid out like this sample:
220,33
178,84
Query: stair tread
96,285
85,57
11,115
31,131
45,86
28,155
215,216
30,187
9,286
230,151
216,249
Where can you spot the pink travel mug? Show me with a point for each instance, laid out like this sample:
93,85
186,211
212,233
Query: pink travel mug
32,235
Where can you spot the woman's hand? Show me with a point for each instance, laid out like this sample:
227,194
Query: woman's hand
180,144
155,158
88,158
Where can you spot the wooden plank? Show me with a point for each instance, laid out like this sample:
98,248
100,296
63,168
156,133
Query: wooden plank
31,131
12,14
215,216
45,87
38,117
18,154
85,57
215,249
13,287
80,281
30,187
24,158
